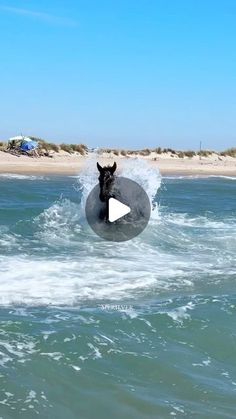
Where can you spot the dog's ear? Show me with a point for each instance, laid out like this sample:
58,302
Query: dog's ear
113,168
99,167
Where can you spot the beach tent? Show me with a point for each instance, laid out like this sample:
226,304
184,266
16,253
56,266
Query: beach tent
28,144
23,143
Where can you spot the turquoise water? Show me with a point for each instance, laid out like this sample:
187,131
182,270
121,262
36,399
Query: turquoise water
141,329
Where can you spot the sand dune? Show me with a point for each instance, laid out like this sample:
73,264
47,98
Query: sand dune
70,164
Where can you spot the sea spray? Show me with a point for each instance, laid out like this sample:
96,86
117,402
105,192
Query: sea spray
137,170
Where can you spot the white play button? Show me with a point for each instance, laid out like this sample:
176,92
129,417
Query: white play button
117,210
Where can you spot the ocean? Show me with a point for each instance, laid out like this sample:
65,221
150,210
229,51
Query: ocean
133,330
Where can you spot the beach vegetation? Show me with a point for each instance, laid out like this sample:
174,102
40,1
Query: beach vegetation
53,147
145,152
132,152
205,153
189,153
44,145
231,152
66,147
3,146
106,150
168,150
79,148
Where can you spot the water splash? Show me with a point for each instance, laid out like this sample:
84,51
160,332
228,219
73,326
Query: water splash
137,170
143,173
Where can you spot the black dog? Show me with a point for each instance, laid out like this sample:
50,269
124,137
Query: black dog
106,182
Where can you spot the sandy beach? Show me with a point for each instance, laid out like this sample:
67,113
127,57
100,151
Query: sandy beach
70,164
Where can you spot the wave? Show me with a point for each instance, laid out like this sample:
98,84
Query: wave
223,177
95,270
197,177
186,220
21,177
176,177
68,264
59,223
76,266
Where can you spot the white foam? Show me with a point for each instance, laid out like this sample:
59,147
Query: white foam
12,349
56,356
21,177
96,353
179,177
59,223
76,368
223,177
180,313
165,257
100,270
113,272
185,219
197,177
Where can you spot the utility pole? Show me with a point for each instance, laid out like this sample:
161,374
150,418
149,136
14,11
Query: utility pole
200,151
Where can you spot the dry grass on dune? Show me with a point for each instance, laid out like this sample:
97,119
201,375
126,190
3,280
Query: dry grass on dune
3,145
45,148
229,152
168,151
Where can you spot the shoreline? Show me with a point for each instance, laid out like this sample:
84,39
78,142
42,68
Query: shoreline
66,164
163,173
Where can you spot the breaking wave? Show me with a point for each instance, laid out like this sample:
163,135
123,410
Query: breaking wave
68,264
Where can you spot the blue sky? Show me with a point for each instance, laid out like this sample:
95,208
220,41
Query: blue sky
125,73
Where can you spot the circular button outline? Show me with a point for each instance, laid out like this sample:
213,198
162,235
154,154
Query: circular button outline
128,227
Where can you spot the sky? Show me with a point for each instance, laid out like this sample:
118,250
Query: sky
128,73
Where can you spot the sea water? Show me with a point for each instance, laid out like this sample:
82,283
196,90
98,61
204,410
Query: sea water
95,329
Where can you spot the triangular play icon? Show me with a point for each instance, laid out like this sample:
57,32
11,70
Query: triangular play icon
117,210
